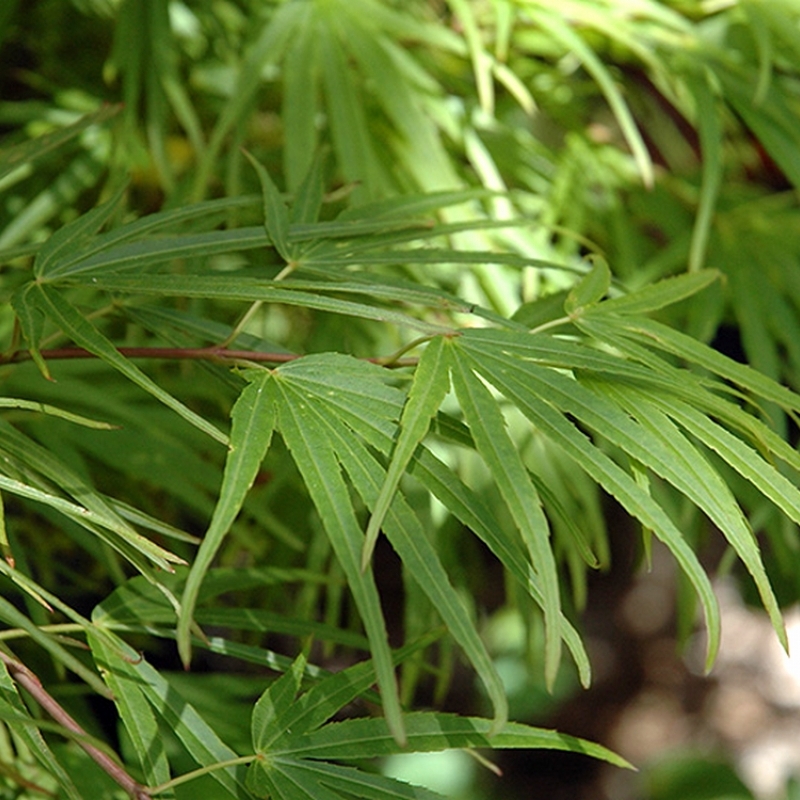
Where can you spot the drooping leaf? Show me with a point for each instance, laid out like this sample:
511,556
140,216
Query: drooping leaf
135,712
517,380
410,541
314,455
486,423
429,386
253,421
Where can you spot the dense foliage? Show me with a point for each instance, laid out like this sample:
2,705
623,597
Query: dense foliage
319,316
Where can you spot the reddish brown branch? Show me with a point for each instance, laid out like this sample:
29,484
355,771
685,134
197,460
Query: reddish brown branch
28,680
183,353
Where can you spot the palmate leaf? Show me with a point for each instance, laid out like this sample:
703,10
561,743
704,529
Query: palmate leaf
74,237
408,537
291,738
314,455
403,528
358,395
538,392
665,455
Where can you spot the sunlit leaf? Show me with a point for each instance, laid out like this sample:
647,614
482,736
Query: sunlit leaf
429,386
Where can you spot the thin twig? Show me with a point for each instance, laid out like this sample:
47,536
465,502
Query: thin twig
192,353
29,681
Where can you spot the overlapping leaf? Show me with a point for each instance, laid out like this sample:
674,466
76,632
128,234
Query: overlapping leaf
292,740
254,417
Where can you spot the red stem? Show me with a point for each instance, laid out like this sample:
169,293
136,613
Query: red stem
28,680
173,353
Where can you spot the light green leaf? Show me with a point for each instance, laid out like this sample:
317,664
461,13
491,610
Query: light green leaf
481,61
407,206
428,388
516,380
559,29
709,126
308,198
358,394
253,421
12,158
44,408
487,425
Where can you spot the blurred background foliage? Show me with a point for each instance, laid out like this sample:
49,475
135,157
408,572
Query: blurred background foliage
661,137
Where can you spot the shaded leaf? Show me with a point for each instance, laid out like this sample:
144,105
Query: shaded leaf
253,421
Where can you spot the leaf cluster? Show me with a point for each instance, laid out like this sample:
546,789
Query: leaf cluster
224,388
